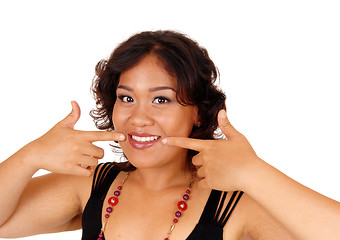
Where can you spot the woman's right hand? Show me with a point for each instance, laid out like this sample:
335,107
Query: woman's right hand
67,151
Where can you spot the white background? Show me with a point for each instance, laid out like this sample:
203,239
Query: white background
279,64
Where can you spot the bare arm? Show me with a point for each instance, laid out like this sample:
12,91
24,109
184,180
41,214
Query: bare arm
49,203
14,177
304,212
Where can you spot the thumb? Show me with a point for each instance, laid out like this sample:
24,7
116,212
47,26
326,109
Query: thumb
223,122
70,120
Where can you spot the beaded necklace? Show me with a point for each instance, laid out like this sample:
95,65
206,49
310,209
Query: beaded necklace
113,201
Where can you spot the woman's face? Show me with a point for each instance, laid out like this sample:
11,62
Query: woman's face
147,111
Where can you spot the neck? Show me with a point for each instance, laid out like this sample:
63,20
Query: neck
162,177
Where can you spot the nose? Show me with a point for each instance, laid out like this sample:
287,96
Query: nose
141,116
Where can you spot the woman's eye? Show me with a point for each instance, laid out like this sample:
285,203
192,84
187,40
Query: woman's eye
126,99
161,100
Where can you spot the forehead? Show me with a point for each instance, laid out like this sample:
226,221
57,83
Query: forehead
148,72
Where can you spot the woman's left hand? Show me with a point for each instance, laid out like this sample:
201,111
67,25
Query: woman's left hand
232,164
222,164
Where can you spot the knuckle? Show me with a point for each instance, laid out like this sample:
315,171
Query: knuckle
186,144
75,148
95,162
194,161
101,153
225,124
200,172
171,141
92,162
97,135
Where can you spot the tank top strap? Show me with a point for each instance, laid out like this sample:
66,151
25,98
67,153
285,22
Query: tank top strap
103,177
235,198
214,207
209,210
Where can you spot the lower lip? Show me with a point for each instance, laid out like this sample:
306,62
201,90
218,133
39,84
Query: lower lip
142,145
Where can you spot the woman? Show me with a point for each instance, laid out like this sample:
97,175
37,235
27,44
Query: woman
157,93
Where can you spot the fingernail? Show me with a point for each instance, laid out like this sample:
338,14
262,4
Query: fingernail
121,137
224,114
164,140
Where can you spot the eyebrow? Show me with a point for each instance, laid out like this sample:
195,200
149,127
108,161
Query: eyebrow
150,90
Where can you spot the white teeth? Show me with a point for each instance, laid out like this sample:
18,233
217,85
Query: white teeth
144,139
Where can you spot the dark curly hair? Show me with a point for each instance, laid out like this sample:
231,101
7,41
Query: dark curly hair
183,58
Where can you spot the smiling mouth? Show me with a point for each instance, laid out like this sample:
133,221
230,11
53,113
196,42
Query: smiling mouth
144,139
142,142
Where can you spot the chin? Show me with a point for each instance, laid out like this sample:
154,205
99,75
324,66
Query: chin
144,160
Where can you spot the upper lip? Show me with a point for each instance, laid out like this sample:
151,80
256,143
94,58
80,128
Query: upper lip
143,134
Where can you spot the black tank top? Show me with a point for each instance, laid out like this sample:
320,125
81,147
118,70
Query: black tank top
208,227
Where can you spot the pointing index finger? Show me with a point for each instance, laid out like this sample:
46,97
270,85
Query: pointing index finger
94,136
183,142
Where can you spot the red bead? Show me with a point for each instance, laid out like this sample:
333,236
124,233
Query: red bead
107,215
119,187
113,201
188,191
175,220
182,205
166,238
101,235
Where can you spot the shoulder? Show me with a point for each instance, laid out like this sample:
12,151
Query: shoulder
256,222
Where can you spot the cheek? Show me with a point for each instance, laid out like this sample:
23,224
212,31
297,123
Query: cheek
178,123
118,118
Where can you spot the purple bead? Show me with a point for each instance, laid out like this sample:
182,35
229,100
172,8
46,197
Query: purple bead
109,209
185,197
117,193
178,214
188,191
